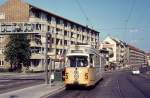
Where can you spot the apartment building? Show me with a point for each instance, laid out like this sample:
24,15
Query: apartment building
136,57
117,51
1,52
63,32
148,59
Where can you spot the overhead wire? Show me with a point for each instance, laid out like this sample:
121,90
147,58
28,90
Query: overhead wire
84,14
129,15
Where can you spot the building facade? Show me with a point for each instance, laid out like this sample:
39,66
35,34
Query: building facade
148,59
117,51
123,54
63,32
136,57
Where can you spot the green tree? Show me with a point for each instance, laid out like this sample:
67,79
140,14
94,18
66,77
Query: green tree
17,51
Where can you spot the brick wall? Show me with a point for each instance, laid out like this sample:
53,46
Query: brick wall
15,10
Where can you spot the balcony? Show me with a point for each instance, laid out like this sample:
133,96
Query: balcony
23,27
37,56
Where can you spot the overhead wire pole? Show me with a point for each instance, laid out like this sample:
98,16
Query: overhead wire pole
46,60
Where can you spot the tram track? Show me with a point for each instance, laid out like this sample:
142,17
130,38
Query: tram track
135,84
120,93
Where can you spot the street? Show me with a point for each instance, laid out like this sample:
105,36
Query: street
14,82
120,84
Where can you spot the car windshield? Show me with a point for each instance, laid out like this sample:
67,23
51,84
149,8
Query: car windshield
135,68
77,61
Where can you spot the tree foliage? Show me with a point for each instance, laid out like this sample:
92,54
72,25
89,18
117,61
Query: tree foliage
17,51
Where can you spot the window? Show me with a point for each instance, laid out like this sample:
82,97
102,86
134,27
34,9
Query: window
52,40
57,41
82,37
91,60
65,42
77,61
65,33
2,15
71,34
78,36
60,41
48,18
0,51
37,14
1,62
72,42
58,21
1,38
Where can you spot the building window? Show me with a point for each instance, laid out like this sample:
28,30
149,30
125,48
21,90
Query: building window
1,50
57,41
2,15
83,37
72,42
78,36
52,40
65,42
48,19
71,34
65,33
61,42
1,39
1,62
65,23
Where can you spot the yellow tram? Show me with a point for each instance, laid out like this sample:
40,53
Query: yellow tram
84,66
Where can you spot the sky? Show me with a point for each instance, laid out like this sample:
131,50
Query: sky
127,20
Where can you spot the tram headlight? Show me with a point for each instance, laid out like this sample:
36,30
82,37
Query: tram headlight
86,76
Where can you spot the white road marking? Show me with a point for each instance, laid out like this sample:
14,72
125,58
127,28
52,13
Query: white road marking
106,83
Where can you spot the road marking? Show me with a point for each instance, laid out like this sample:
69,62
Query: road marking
107,82
119,89
2,85
5,80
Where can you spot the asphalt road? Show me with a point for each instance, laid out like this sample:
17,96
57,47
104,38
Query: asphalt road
14,82
120,84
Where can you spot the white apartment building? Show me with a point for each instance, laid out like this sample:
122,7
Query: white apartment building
136,57
148,59
117,51
63,32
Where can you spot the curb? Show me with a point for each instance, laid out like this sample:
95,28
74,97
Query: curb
55,91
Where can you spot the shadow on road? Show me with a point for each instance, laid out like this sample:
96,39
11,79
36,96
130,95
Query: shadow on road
81,87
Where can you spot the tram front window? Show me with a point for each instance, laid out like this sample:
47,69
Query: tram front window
77,61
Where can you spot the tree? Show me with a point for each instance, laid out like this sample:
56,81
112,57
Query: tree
17,51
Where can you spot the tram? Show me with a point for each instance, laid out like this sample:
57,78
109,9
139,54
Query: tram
83,67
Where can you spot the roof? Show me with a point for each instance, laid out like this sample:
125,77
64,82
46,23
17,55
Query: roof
61,17
148,54
136,49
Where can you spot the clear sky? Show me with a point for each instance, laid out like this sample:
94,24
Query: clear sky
128,20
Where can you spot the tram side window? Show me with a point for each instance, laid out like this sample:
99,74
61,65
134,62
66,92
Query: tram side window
91,60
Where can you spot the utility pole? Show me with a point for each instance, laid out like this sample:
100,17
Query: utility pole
46,61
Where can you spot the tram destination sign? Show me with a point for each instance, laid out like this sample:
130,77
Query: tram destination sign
22,27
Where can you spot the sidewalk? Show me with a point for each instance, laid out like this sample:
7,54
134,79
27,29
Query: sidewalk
38,91
20,74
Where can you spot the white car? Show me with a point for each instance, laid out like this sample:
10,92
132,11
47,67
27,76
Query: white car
135,72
